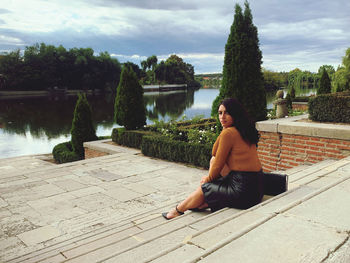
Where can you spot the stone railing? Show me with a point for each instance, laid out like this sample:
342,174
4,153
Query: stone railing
289,142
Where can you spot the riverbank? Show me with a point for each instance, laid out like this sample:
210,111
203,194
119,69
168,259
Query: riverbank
18,94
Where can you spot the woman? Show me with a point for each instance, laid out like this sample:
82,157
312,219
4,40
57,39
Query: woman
235,176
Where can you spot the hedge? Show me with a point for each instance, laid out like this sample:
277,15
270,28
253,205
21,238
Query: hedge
177,151
129,138
63,153
330,107
301,99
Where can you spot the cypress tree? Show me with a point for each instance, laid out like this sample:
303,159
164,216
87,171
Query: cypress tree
242,76
325,83
82,126
129,109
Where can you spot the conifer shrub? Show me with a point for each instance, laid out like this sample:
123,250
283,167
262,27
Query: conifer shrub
129,110
242,76
63,153
325,84
82,126
330,107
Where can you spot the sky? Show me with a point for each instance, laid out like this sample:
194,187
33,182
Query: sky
304,34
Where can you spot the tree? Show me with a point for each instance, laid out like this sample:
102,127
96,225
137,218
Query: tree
242,76
175,71
325,83
152,62
82,127
330,69
129,108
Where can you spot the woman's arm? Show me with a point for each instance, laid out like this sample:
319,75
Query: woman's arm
223,151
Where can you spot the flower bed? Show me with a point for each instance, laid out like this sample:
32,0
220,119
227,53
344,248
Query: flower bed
186,141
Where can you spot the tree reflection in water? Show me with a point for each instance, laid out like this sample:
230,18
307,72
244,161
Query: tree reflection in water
52,118
48,117
170,105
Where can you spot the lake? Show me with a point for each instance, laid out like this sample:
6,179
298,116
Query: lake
35,125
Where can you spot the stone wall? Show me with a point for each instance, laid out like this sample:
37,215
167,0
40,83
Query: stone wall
301,106
286,143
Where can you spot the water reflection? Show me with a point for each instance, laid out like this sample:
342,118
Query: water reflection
36,125
51,118
170,105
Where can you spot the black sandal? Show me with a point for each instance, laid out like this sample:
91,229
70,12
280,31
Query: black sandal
198,209
177,210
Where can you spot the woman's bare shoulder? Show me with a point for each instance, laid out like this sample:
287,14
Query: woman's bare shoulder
229,132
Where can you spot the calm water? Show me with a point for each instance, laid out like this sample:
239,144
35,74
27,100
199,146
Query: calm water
36,125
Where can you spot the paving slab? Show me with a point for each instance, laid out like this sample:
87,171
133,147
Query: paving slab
281,239
105,175
122,194
213,236
183,252
341,255
148,249
68,185
39,235
330,208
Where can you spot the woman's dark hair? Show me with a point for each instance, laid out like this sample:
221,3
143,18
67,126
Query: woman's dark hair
241,120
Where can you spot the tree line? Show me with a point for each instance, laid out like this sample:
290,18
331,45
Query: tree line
297,79
45,66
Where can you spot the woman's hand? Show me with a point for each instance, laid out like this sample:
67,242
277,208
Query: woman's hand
205,179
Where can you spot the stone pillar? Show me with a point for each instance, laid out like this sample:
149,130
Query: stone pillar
281,105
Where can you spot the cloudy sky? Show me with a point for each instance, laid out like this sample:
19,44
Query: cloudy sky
293,33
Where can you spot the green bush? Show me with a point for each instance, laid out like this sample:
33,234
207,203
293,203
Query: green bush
129,138
330,107
177,151
63,153
129,108
82,127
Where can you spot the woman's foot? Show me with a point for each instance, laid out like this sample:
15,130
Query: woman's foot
172,213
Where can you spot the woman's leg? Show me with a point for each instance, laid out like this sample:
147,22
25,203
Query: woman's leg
194,200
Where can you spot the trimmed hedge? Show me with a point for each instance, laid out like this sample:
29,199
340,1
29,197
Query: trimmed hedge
129,138
330,107
301,99
177,151
63,153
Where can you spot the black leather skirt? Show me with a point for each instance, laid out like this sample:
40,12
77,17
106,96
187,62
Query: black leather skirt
237,190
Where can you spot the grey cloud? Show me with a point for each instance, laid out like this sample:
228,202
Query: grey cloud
4,11
150,4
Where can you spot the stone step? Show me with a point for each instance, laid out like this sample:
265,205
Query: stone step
187,235
305,173
310,232
136,224
146,236
222,241
88,223
132,224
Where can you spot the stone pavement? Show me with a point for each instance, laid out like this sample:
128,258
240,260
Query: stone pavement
107,209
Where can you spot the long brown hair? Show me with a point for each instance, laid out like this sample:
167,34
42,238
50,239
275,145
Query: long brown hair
241,120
